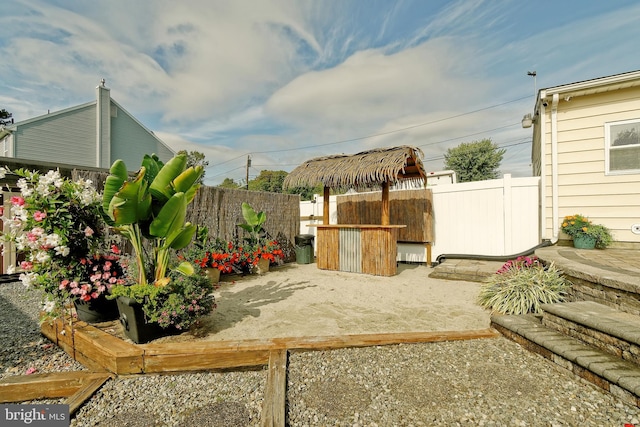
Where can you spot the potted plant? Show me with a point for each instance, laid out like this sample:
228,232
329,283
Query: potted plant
253,225
585,234
150,211
210,255
56,224
267,252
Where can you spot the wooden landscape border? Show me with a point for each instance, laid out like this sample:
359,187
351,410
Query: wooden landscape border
100,350
104,352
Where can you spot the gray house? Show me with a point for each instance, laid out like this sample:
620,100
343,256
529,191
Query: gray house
94,134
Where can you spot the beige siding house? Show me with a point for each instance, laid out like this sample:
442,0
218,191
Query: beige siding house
94,134
586,150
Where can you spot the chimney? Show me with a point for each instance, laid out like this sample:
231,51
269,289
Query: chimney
103,125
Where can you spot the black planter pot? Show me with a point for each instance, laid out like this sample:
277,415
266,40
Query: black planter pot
134,324
96,310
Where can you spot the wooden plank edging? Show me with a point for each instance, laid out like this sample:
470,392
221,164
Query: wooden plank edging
274,404
98,349
52,385
84,393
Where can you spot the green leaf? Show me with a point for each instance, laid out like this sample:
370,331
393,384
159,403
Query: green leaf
132,203
185,268
153,165
162,185
170,218
187,179
181,238
113,183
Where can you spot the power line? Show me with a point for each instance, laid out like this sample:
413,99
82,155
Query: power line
378,134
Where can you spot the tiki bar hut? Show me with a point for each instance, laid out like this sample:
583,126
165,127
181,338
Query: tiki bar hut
361,248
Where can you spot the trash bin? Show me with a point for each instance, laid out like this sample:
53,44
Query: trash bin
304,248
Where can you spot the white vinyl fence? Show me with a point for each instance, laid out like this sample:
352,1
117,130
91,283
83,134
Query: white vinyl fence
494,217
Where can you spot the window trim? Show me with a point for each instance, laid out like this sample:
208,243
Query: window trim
607,148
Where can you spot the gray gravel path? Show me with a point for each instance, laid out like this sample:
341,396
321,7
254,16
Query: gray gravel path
491,382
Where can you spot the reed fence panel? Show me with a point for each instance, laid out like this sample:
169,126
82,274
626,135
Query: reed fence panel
413,208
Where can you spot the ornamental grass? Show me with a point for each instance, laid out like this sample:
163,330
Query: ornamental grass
521,287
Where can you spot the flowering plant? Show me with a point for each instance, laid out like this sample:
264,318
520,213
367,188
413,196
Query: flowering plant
95,275
179,304
231,257
578,225
519,263
56,223
271,250
522,285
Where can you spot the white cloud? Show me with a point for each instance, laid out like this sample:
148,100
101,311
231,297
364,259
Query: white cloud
372,87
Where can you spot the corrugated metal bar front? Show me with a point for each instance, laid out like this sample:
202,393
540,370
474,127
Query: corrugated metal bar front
350,250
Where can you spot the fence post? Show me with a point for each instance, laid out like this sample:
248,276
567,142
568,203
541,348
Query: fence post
508,213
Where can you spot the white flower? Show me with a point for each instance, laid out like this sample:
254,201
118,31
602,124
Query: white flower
41,257
25,190
11,269
62,250
49,306
51,240
27,279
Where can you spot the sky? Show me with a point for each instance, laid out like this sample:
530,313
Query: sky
285,81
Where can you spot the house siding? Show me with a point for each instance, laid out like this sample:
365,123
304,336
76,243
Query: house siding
583,187
130,141
66,137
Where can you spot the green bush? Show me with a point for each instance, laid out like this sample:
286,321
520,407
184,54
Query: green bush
521,289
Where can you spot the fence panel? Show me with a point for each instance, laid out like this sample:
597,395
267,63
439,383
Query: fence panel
493,217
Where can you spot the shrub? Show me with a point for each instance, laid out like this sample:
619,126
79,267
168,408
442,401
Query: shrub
521,287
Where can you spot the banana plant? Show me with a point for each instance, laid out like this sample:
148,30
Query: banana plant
253,222
152,206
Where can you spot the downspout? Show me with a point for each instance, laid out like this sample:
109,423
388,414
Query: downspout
554,166
527,252
543,165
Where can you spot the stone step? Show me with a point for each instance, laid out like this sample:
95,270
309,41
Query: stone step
613,374
603,327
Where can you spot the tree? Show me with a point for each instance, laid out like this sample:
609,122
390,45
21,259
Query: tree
306,193
229,183
195,158
5,118
475,161
268,181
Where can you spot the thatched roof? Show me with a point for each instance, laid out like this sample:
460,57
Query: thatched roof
361,170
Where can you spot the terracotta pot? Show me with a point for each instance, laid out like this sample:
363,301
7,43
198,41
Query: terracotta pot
213,274
263,266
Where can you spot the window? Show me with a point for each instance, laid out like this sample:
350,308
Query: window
622,141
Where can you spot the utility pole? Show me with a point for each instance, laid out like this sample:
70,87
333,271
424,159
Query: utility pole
535,86
248,166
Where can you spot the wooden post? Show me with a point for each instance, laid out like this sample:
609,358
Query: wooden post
385,203
325,206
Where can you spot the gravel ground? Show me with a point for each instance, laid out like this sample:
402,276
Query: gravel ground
491,382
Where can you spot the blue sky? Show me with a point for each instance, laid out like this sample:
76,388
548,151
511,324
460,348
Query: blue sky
285,81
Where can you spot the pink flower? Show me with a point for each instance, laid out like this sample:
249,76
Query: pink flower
30,371
26,265
63,284
1,210
115,249
17,201
39,216
88,231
